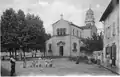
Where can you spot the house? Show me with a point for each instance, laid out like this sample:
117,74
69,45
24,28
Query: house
111,51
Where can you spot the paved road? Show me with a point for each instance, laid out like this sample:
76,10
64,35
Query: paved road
61,67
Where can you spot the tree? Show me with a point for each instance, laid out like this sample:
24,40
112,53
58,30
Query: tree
18,28
36,30
22,34
48,36
93,44
8,26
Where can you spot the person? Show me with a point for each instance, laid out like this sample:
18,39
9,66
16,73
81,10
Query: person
46,62
95,59
51,62
78,60
39,62
34,63
108,60
12,61
24,62
99,60
33,53
88,59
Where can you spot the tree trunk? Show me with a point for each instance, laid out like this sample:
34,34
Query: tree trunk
10,53
44,52
21,56
21,53
15,53
24,51
32,53
35,53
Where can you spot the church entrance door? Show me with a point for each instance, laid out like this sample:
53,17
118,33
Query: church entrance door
61,50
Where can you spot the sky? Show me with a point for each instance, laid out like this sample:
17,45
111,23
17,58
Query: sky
50,10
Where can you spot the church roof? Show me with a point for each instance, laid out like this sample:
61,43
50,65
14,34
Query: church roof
75,25
86,27
80,27
68,23
56,22
60,20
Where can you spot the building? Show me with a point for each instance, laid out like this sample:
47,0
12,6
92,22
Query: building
66,39
89,29
111,51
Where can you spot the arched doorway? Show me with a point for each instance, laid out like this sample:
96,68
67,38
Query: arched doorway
61,45
61,50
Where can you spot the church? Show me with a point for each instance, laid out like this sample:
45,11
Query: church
66,39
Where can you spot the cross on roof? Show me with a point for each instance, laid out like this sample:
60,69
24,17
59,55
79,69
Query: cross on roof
61,16
90,6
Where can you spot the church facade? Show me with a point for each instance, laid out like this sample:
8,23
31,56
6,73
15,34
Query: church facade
66,39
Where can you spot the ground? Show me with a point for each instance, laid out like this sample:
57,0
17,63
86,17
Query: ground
60,67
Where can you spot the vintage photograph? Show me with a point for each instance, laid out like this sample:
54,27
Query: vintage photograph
59,37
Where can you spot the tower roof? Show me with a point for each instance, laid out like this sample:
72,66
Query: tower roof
90,11
89,16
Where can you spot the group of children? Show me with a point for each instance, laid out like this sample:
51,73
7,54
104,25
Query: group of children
48,63
35,63
38,63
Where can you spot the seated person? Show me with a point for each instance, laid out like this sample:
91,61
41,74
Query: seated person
46,62
33,63
50,63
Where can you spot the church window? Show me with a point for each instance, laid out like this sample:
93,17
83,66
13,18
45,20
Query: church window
50,48
80,34
73,31
61,31
57,31
113,29
64,31
108,32
77,32
74,47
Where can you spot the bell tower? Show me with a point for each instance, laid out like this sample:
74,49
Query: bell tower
89,20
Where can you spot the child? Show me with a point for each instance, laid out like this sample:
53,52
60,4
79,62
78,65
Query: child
46,62
50,64
34,63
